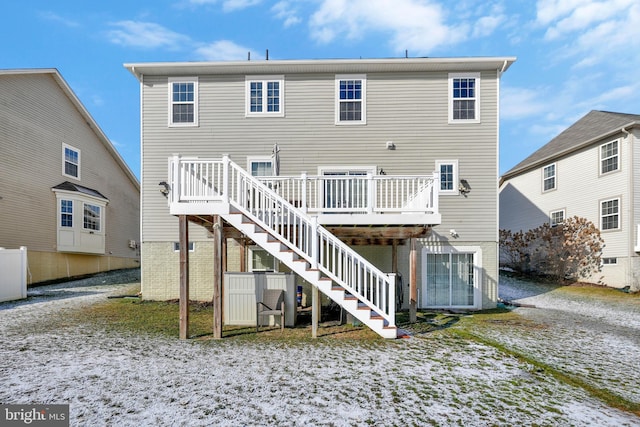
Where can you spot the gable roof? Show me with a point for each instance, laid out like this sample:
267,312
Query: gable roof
591,128
66,89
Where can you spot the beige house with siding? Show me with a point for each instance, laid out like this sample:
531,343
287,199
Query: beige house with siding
589,170
65,192
329,169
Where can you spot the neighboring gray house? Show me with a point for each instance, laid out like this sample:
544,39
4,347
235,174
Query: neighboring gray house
65,192
590,170
379,152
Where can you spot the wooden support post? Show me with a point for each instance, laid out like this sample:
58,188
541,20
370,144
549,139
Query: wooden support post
315,310
224,270
217,276
413,283
183,225
243,255
394,256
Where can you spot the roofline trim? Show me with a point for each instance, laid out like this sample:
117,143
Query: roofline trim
311,65
513,173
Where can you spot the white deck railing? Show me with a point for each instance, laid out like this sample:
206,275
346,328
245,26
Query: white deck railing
197,180
356,194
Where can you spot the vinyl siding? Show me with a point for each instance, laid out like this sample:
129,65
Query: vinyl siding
410,109
579,190
36,118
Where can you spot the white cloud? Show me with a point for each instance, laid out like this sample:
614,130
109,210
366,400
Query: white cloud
417,25
615,94
486,25
519,103
286,12
551,10
50,16
145,35
228,5
224,50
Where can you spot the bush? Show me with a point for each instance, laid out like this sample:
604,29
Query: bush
571,250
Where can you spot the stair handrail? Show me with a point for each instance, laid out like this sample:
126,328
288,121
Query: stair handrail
302,234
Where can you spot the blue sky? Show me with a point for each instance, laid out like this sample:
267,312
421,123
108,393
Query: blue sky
573,55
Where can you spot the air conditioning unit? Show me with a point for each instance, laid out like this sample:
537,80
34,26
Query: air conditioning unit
133,244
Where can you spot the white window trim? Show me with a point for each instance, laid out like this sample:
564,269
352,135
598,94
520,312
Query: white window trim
64,146
456,181
564,216
250,258
170,102
261,159
176,247
60,213
100,222
612,261
619,199
477,260
453,76
617,141
363,99
555,177
264,80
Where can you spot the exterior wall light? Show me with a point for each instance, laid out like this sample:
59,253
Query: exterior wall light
464,187
165,188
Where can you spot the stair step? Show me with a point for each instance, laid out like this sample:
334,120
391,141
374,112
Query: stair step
267,238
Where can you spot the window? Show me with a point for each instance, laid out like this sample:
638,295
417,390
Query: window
260,166
549,177
265,96
464,97
183,105
176,247
91,217
448,170
451,277
66,213
80,218
70,161
610,214
556,218
609,261
609,157
261,260
351,99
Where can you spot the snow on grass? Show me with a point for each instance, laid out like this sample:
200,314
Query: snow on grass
595,339
117,378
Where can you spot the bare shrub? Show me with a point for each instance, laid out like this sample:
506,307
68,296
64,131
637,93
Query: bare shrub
571,250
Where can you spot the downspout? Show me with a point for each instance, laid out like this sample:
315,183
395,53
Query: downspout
632,226
140,238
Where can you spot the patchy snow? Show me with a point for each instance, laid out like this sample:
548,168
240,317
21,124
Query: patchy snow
111,378
594,339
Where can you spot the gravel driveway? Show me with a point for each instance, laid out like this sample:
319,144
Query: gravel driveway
111,378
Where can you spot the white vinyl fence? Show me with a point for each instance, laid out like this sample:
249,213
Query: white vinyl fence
242,290
13,274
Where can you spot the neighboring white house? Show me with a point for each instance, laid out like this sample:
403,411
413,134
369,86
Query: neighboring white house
343,162
590,170
65,192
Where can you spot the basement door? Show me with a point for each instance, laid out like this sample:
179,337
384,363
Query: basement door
451,279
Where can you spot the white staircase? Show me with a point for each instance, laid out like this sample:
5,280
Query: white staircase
290,235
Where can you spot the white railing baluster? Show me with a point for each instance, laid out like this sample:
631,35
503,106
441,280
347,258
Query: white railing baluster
282,204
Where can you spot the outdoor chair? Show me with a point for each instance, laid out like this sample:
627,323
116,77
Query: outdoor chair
272,304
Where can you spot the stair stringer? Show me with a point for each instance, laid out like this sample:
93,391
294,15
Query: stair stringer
263,238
